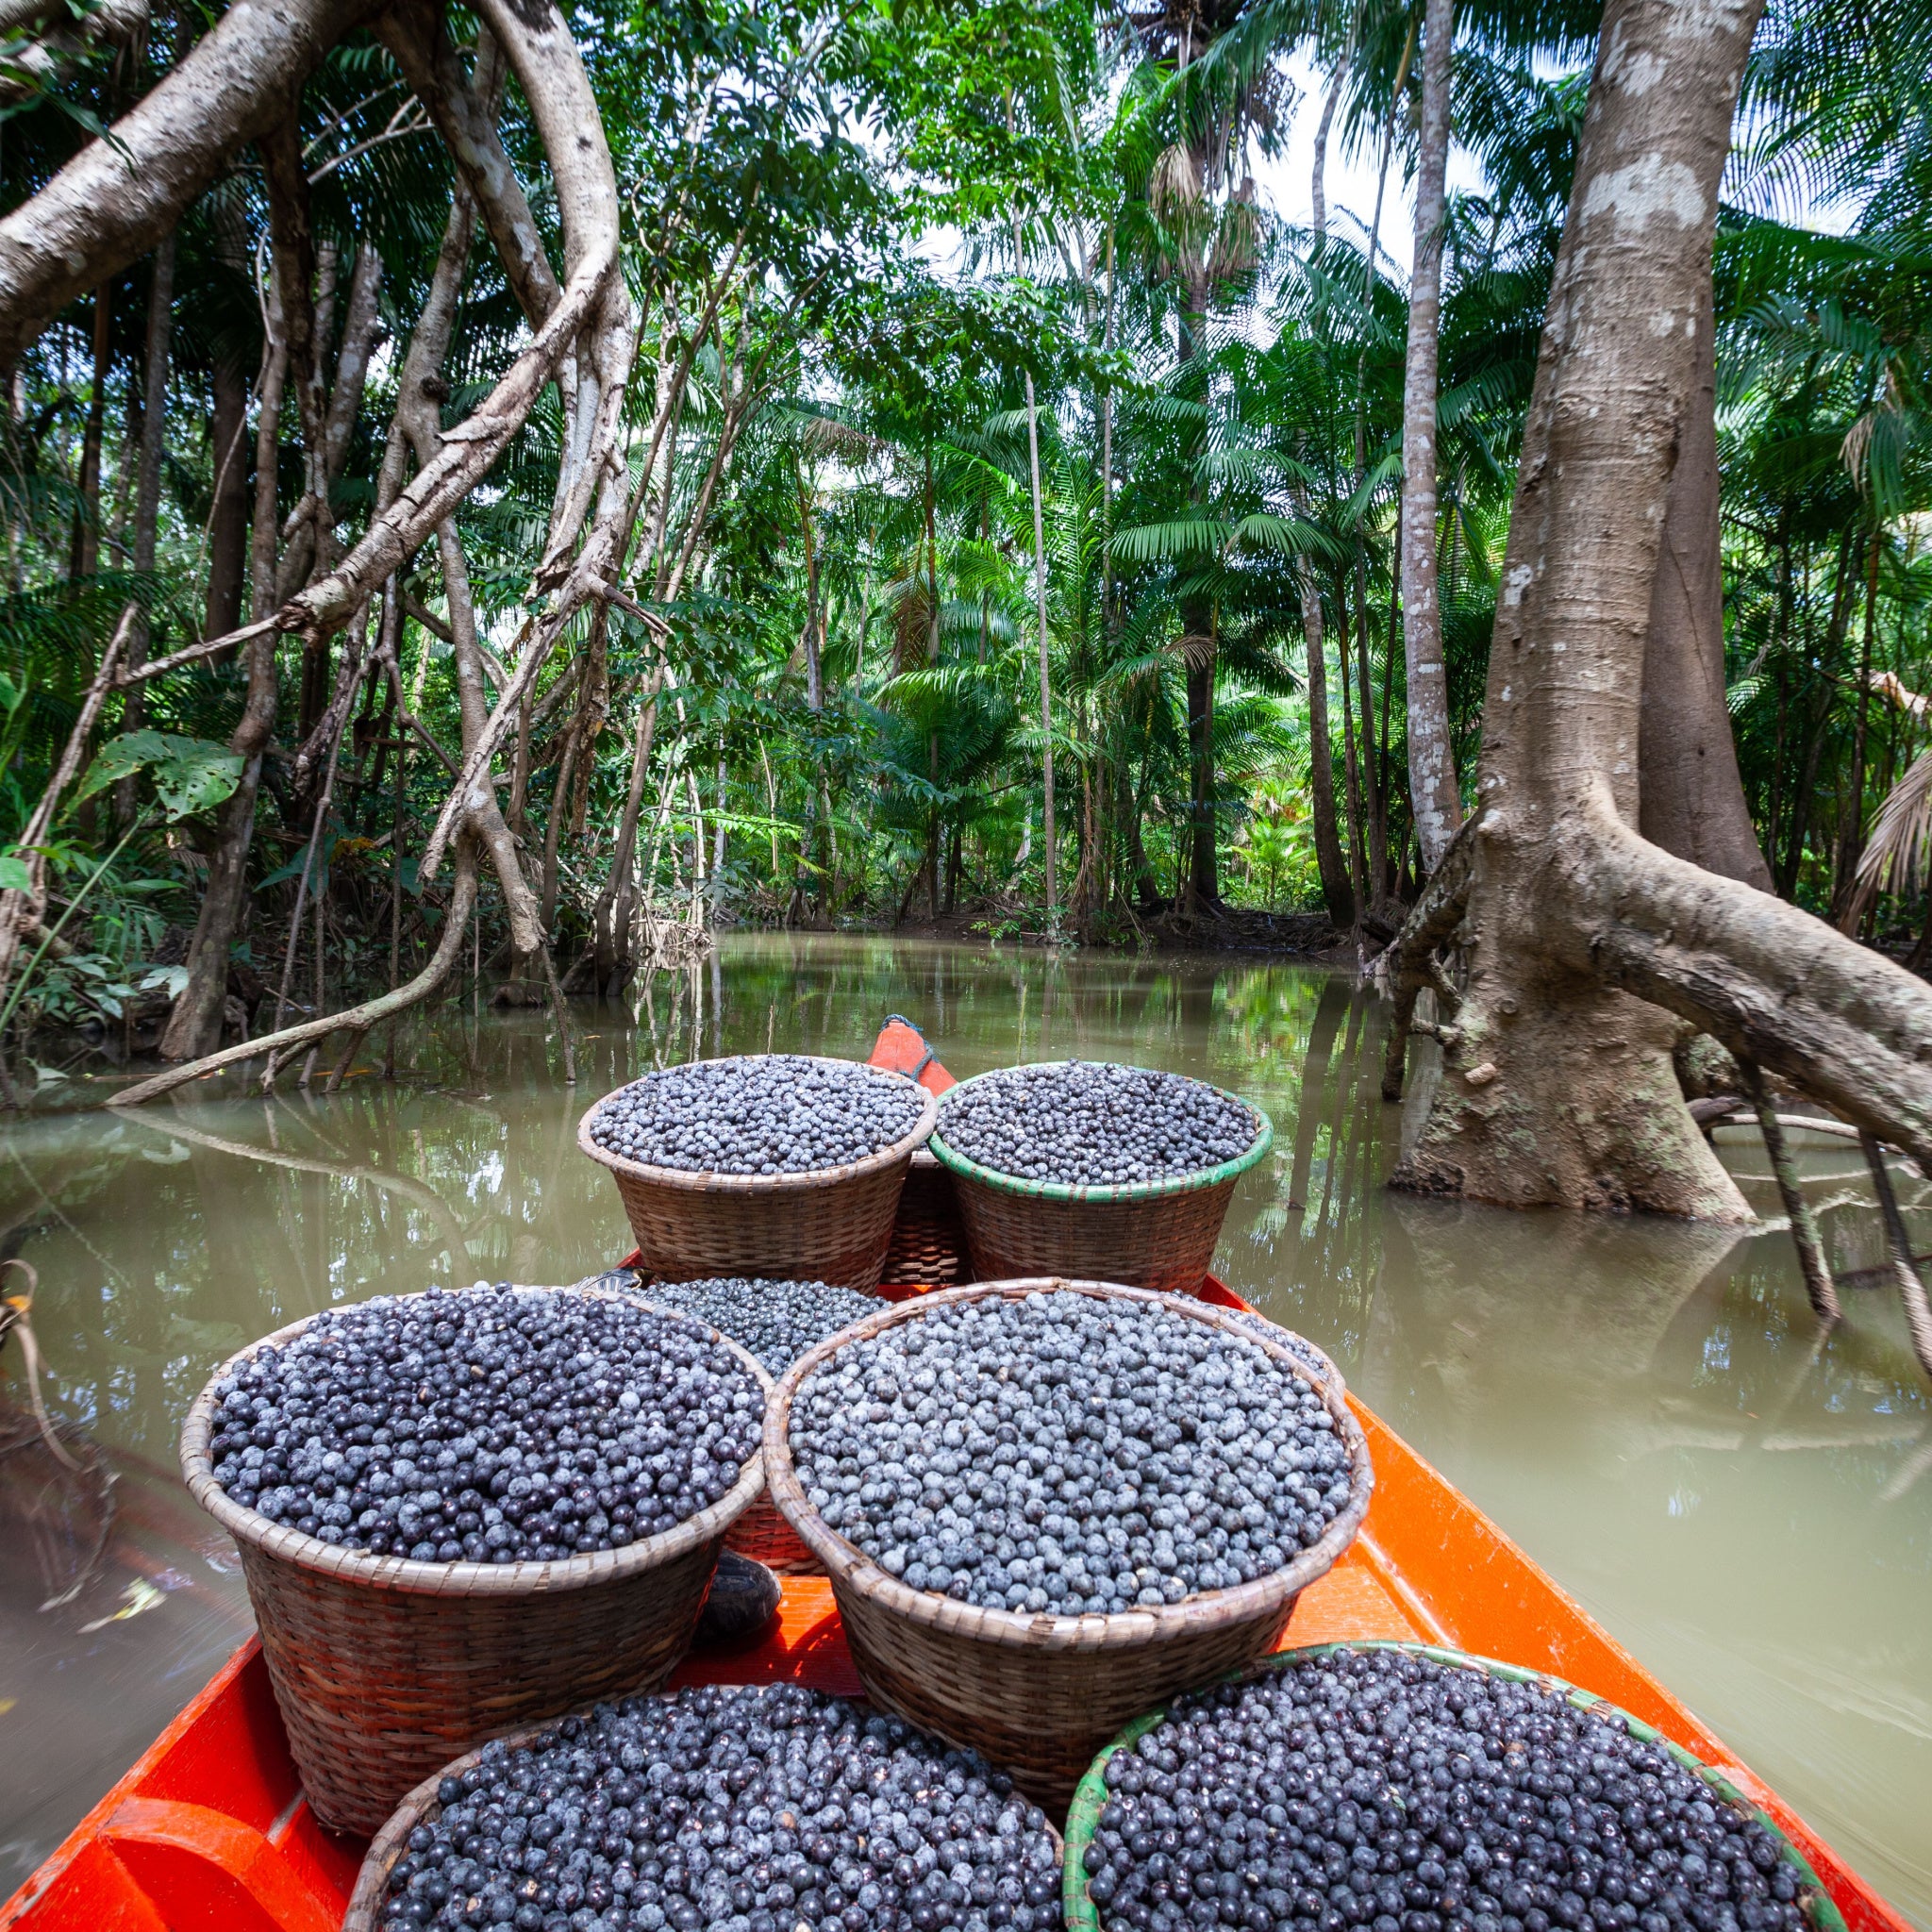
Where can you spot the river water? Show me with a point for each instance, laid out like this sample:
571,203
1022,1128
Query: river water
1646,1408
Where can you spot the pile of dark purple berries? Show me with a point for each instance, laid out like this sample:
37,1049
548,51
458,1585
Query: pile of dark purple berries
738,1809
763,1113
1385,1791
1092,1123
777,1321
487,1425
1069,1453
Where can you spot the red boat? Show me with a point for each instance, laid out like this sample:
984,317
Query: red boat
210,1828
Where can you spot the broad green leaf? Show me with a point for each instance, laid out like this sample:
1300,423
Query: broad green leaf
190,774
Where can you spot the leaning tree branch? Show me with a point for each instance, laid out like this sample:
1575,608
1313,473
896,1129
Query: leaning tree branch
564,109
416,35
370,1013
115,200
1769,982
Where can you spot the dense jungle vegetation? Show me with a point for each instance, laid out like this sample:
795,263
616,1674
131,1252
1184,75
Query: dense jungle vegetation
1004,511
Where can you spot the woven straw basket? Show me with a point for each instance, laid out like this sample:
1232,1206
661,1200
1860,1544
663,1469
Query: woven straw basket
1040,1694
384,1669
422,1807
834,1224
1082,1915
1148,1234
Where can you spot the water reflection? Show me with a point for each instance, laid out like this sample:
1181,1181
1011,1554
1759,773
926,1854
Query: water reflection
1649,1409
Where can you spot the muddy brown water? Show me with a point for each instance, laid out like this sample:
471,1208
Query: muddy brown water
1646,1408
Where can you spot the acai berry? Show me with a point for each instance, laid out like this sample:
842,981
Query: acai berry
737,1809
1067,1453
764,1113
777,1321
1388,1792
1092,1123
487,1425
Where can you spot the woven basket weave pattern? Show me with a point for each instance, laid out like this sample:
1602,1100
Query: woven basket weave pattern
384,1669
1158,1234
1040,1694
766,1538
834,1226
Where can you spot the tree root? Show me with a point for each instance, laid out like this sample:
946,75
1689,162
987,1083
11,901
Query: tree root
1436,912
356,1018
1905,1271
1812,1261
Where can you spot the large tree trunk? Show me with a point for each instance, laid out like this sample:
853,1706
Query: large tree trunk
116,199
1692,797
1432,784
1590,949
84,551
1557,1085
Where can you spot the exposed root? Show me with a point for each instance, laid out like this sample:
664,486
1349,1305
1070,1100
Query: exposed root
356,1018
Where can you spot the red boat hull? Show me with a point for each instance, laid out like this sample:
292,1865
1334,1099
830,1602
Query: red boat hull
211,1829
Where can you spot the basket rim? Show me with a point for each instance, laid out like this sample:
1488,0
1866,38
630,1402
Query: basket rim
707,1181
968,1169
420,1805
249,1527
1092,1630
1090,1796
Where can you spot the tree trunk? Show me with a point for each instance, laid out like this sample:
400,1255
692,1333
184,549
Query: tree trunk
147,488
1329,863
1557,1084
84,551
194,1026
1691,798
227,549
1432,784
114,201
1049,851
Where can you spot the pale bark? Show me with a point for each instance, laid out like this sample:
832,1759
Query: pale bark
1692,797
114,201
1583,941
546,64
1330,865
465,115
1433,790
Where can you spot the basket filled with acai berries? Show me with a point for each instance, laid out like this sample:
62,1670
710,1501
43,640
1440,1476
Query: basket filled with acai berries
721,1808
777,1165
1398,1784
1045,1506
1091,1169
460,1511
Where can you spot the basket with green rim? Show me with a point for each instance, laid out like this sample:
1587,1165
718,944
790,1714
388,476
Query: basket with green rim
1090,1798
1156,1234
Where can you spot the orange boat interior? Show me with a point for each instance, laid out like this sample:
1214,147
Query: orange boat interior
211,1829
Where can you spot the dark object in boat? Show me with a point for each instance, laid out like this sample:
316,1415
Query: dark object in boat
742,1605
1094,1124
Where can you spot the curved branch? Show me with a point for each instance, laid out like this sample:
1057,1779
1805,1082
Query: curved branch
545,61
1772,983
449,943
116,199
417,37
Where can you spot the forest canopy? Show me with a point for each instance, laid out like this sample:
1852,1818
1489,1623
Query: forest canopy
535,486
